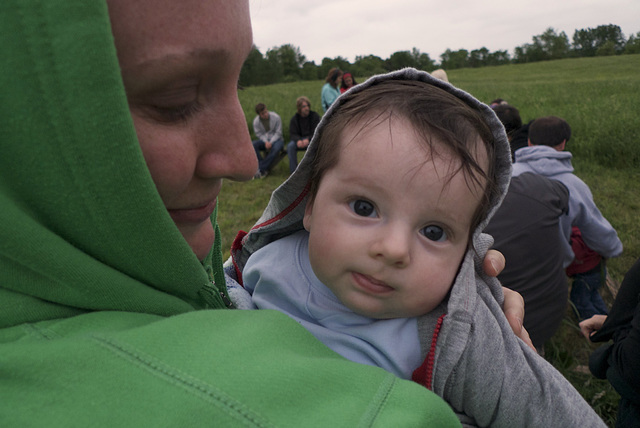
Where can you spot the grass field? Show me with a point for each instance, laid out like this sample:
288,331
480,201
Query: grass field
597,96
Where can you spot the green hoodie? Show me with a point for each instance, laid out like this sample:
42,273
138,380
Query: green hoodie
105,312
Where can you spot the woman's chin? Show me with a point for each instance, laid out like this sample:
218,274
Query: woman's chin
200,239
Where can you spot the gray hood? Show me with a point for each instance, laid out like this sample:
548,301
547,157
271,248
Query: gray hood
285,210
538,160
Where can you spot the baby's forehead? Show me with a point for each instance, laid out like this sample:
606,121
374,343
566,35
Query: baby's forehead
437,143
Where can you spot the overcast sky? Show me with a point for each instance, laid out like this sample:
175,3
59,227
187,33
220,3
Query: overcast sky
347,28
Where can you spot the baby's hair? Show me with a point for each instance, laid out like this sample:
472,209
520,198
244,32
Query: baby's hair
434,114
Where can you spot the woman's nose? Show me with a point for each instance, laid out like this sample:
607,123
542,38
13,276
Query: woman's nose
225,145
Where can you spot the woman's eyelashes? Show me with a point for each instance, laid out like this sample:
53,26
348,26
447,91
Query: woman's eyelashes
177,113
363,208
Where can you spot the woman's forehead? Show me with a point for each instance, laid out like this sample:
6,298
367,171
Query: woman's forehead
151,29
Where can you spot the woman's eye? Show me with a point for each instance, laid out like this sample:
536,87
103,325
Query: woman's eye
363,208
434,233
177,113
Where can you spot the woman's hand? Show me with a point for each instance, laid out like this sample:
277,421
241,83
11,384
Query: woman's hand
513,305
591,325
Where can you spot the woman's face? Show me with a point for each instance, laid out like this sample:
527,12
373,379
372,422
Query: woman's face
180,64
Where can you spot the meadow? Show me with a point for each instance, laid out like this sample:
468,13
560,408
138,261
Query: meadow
597,96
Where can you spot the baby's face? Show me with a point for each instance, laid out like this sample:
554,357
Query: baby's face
389,225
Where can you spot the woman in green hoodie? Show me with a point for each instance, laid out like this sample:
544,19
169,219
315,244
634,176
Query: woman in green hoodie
119,122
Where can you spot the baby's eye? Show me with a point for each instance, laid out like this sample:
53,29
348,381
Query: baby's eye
363,208
434,233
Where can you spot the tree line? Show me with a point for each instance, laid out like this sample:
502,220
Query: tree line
287,64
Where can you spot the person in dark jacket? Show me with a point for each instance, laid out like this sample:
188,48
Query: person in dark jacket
618,361
301,129
525,229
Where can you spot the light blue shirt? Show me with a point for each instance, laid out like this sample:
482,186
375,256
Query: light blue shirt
280,277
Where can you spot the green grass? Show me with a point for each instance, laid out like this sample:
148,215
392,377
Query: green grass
597,96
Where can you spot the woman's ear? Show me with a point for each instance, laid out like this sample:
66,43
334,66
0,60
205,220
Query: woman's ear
308,211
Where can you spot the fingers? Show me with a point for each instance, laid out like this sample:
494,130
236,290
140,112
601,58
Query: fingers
585,328
493,263
591,325
514,311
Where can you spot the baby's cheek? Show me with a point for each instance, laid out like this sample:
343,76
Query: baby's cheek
324,254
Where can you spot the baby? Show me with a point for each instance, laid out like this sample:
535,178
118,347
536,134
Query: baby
374,245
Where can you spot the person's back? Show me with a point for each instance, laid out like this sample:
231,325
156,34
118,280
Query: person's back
545,155
525,229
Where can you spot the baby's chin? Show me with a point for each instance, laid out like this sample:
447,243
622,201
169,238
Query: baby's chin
379,314
388,313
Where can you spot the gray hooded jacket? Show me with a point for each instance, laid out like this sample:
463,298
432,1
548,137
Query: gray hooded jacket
596,231
471,357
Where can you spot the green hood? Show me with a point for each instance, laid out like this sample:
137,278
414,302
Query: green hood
82,226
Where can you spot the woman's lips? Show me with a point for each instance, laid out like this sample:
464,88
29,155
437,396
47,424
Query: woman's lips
193,215
371,285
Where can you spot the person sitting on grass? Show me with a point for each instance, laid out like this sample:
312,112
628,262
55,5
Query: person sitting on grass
617,361
267,126
374,245
301,128
546,155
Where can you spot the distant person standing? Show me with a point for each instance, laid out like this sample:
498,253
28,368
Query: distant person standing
545,155
267,126
330,90
348,81
301,128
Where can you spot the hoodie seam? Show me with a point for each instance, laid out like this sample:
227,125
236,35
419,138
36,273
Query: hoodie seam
43,333
186,382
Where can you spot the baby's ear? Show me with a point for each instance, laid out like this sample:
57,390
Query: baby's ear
308,211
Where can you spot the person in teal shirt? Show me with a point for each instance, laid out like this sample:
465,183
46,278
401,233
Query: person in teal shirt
331,89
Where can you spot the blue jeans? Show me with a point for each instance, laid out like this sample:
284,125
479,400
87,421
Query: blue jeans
267,162
292,152
584,292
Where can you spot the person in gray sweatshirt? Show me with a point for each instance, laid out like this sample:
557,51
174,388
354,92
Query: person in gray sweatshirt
374,245
546,155
586,232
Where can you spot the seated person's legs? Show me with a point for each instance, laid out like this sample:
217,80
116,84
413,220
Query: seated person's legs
292,153
258,146
595,281
580,296
272,156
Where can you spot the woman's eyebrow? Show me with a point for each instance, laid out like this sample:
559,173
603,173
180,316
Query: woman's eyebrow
178,58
